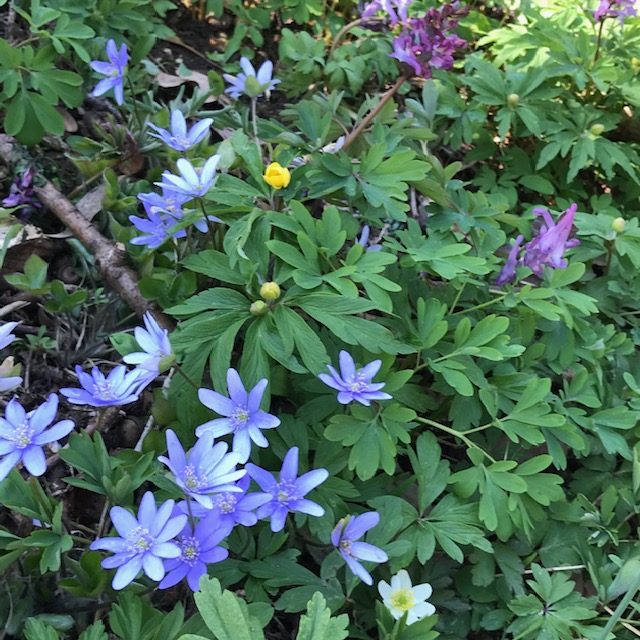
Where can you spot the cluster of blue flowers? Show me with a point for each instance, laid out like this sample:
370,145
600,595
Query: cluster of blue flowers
164,211
179,540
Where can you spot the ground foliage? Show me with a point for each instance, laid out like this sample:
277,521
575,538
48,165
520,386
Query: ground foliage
505,467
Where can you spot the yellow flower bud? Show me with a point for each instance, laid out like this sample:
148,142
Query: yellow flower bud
597,129
270,291
259,308
618,225
277,176
513,99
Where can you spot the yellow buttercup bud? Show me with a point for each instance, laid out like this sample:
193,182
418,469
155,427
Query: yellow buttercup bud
270,291
259,308
513,99
618,225
597,129
277,176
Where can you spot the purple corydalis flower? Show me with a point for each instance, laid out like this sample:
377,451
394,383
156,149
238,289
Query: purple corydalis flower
242,414
397,10
250,82
620,9
178,137
121,386
286,495
546,248
22,435
206,469
198,548
345,539
155,344
192,182
114,70
144,541
508,272
6,335
21,192
427,43
353,384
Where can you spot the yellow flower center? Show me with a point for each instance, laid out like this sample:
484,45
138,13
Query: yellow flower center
403,599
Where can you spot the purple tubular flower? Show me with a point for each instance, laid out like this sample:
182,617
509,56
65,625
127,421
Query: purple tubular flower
198,548
620,9
427,43
547,248
157,229
6,337
21,192
242,414
345,536
121,386
114,71
397,10
249,82
353,384
155,344
508,272
205,470
192,182
22,435
178,137
144,541
286,495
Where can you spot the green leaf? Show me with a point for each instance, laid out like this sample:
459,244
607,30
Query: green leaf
224,613
317,623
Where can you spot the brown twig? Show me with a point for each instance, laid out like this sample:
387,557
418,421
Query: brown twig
373,113
110,258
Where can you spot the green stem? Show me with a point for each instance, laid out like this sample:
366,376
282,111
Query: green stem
470,443
620,609
136,113
481,306
181,371
254,119
212,229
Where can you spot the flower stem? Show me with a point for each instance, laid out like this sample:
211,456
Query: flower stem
598,41
254,119
212,230
470,443
374,112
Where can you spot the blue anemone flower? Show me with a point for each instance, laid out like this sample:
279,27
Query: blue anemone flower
191,181
144,542
243,417
345,538
121,386
353,384
22,435
178,137
114,71
250,82
206,469
287,494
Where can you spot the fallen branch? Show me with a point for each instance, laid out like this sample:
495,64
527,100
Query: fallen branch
111,259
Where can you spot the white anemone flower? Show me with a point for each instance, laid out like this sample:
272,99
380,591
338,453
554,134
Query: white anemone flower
401,597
